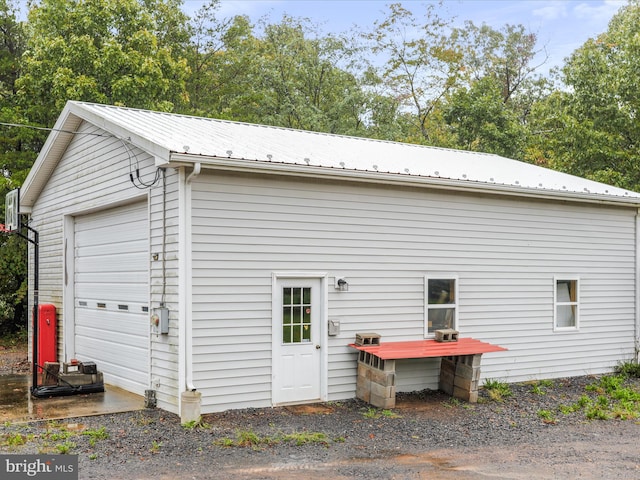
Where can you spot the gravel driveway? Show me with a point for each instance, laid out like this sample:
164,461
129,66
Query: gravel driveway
428,436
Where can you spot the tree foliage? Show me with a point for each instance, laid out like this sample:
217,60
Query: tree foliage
122,52
591,128
422,64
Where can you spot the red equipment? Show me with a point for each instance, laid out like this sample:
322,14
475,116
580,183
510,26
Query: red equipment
47,334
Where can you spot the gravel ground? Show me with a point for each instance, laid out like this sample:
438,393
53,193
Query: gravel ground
429,435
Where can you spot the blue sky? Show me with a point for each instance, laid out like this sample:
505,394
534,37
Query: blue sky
561,25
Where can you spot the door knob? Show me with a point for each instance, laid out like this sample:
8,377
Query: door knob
317,347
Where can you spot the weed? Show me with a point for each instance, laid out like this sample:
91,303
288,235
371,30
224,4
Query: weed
14,440
497,390
305,437
155,446
597,412
372,412
196,425
143,420
66,447
567,409
95,435
539,387
93,456
452,402
546,416
251,439
248,439
629,369
225,442
63,435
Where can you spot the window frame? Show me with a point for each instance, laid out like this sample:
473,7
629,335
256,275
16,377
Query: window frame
576,303
455,305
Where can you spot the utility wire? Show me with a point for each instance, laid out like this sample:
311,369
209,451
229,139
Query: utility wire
22,125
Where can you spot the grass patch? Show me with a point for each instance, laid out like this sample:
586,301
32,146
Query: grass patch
613,398
540,387
14,440
196,425
250,439
547,416
95,435
373,412
65,448
497,390
628,369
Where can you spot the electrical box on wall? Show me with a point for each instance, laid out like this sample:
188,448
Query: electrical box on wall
334,326
160,320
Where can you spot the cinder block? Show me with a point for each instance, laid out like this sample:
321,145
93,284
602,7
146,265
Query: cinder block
465,371
465,383
471,360
448,366
363,392
446,382
367,339
382,402
446,335
390,366
384,391
466,395
383,378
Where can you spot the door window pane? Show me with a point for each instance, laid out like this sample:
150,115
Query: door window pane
296,315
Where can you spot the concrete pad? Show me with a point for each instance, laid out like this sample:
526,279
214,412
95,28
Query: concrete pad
17,405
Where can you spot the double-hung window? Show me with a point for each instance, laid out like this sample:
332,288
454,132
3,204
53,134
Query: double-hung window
441,309
566,302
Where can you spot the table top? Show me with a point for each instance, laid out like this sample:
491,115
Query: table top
428,348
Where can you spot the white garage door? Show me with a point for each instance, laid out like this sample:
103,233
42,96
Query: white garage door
112,292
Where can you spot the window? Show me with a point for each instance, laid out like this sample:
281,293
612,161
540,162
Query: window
441,303
566,304
296,315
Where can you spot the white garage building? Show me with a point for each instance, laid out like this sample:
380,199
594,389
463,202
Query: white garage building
241,232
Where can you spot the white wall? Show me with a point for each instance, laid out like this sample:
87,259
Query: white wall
504,251
94,174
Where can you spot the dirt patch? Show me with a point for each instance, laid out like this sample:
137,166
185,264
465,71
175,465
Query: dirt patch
14,361
310,409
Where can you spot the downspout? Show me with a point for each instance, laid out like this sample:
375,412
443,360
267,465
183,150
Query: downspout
637,290
189,306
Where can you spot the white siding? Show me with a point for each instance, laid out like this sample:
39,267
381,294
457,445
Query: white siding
504,251
94,174
164,348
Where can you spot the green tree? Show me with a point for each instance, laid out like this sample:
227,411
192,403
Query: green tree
16,156
422,64
122,52
491,111
305,80
591,128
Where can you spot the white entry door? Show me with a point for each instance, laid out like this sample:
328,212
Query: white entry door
297,344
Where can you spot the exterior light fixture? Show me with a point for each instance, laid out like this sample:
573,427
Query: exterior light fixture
341,284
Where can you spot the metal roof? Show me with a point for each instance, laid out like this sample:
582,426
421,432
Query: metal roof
167,135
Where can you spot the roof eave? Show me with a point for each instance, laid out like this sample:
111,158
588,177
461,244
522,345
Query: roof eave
61,135
372,176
